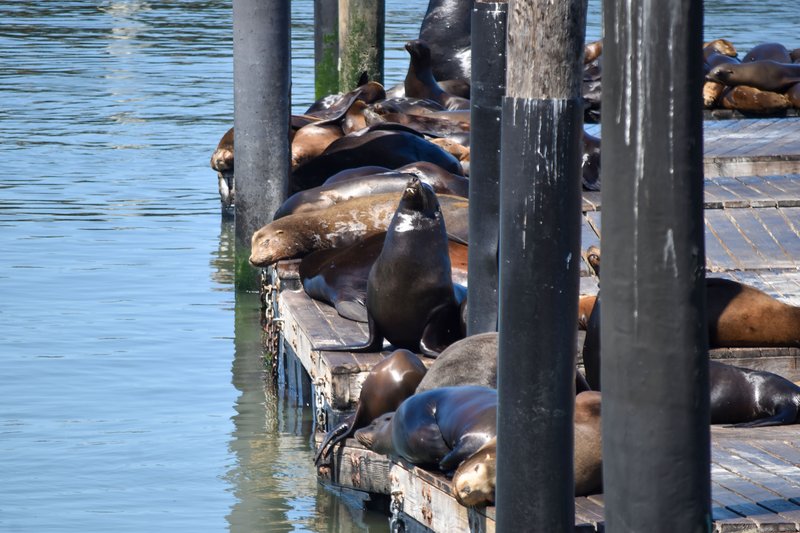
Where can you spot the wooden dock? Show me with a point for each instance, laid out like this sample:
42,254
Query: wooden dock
752,216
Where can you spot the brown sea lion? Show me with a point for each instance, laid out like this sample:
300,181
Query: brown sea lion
592,51
771,51
475,479
406,104
459,151
222,162
387,148
712,92
765,75
752,100
720,46
338,276
410,297
793,95
311,140
343,224
389,383
585,306
794,55
438,428
429,173
420,83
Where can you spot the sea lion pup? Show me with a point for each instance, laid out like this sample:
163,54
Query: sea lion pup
740,315
389,382
343,224
765,75
475,479
420,82
338,276
436,429
410,297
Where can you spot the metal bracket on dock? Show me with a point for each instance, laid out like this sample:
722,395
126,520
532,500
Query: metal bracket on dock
396,522
319,405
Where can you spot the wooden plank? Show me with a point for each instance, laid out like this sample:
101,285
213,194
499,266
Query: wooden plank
353,466
788,183
733,501
732,239
765,188
587,517
723,189
778,226
753,197
759,236
718,256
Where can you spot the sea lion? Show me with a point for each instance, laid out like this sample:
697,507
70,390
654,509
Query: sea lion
222,162
428,124
794,55
720,46
437,428
338,276
389,382
388,148
405,104
311,140
326,196
429,173
712,92
765,75
738,396
343,224
335,104
410,298
585,307
771,51
590,163
356,172
420,81
475,479
446,29
740,315
457,150
472,361
592,51
755,101
793,95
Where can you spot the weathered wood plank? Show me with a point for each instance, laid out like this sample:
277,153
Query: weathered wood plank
759,236
739,247
353,466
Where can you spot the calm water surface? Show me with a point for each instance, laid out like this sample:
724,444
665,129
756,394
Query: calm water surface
130,375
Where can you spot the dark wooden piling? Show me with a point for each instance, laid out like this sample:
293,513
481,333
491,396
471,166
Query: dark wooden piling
326,47
486,96
539,264
654,348
361,31
261,120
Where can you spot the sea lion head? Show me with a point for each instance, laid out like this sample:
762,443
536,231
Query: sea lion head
721,73
272,243
420,51
418,197
474,481
377,436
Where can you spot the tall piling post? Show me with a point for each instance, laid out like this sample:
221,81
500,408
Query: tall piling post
654,362
261,99
326,47
488,87
540,205
361,46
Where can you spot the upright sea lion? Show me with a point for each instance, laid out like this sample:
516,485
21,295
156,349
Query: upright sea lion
410,298
446,29
338,276
389,383
420,81
475,479
343,224
388,148
738,396
438,428
765,75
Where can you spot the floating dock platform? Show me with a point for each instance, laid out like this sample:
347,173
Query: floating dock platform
752,216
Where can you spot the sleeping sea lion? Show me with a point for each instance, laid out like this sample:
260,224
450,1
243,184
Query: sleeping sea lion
765,75
389,383
410,298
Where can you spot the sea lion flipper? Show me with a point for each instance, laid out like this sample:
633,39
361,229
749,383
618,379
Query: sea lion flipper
464,448
373,344
334,436
785,416
443,329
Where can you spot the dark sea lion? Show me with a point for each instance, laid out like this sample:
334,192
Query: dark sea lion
387,148
420,81
471,361
356,172
426,124
437,428
343,224
389,383
410,298
338,276
740,315
754,101
771,51
446,29
475,479
429,173
590,164
794,55
765,75
405,104
334,105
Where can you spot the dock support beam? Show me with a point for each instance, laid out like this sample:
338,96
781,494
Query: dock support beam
361,32
540,214
488,86
654,360
261,100
326,47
